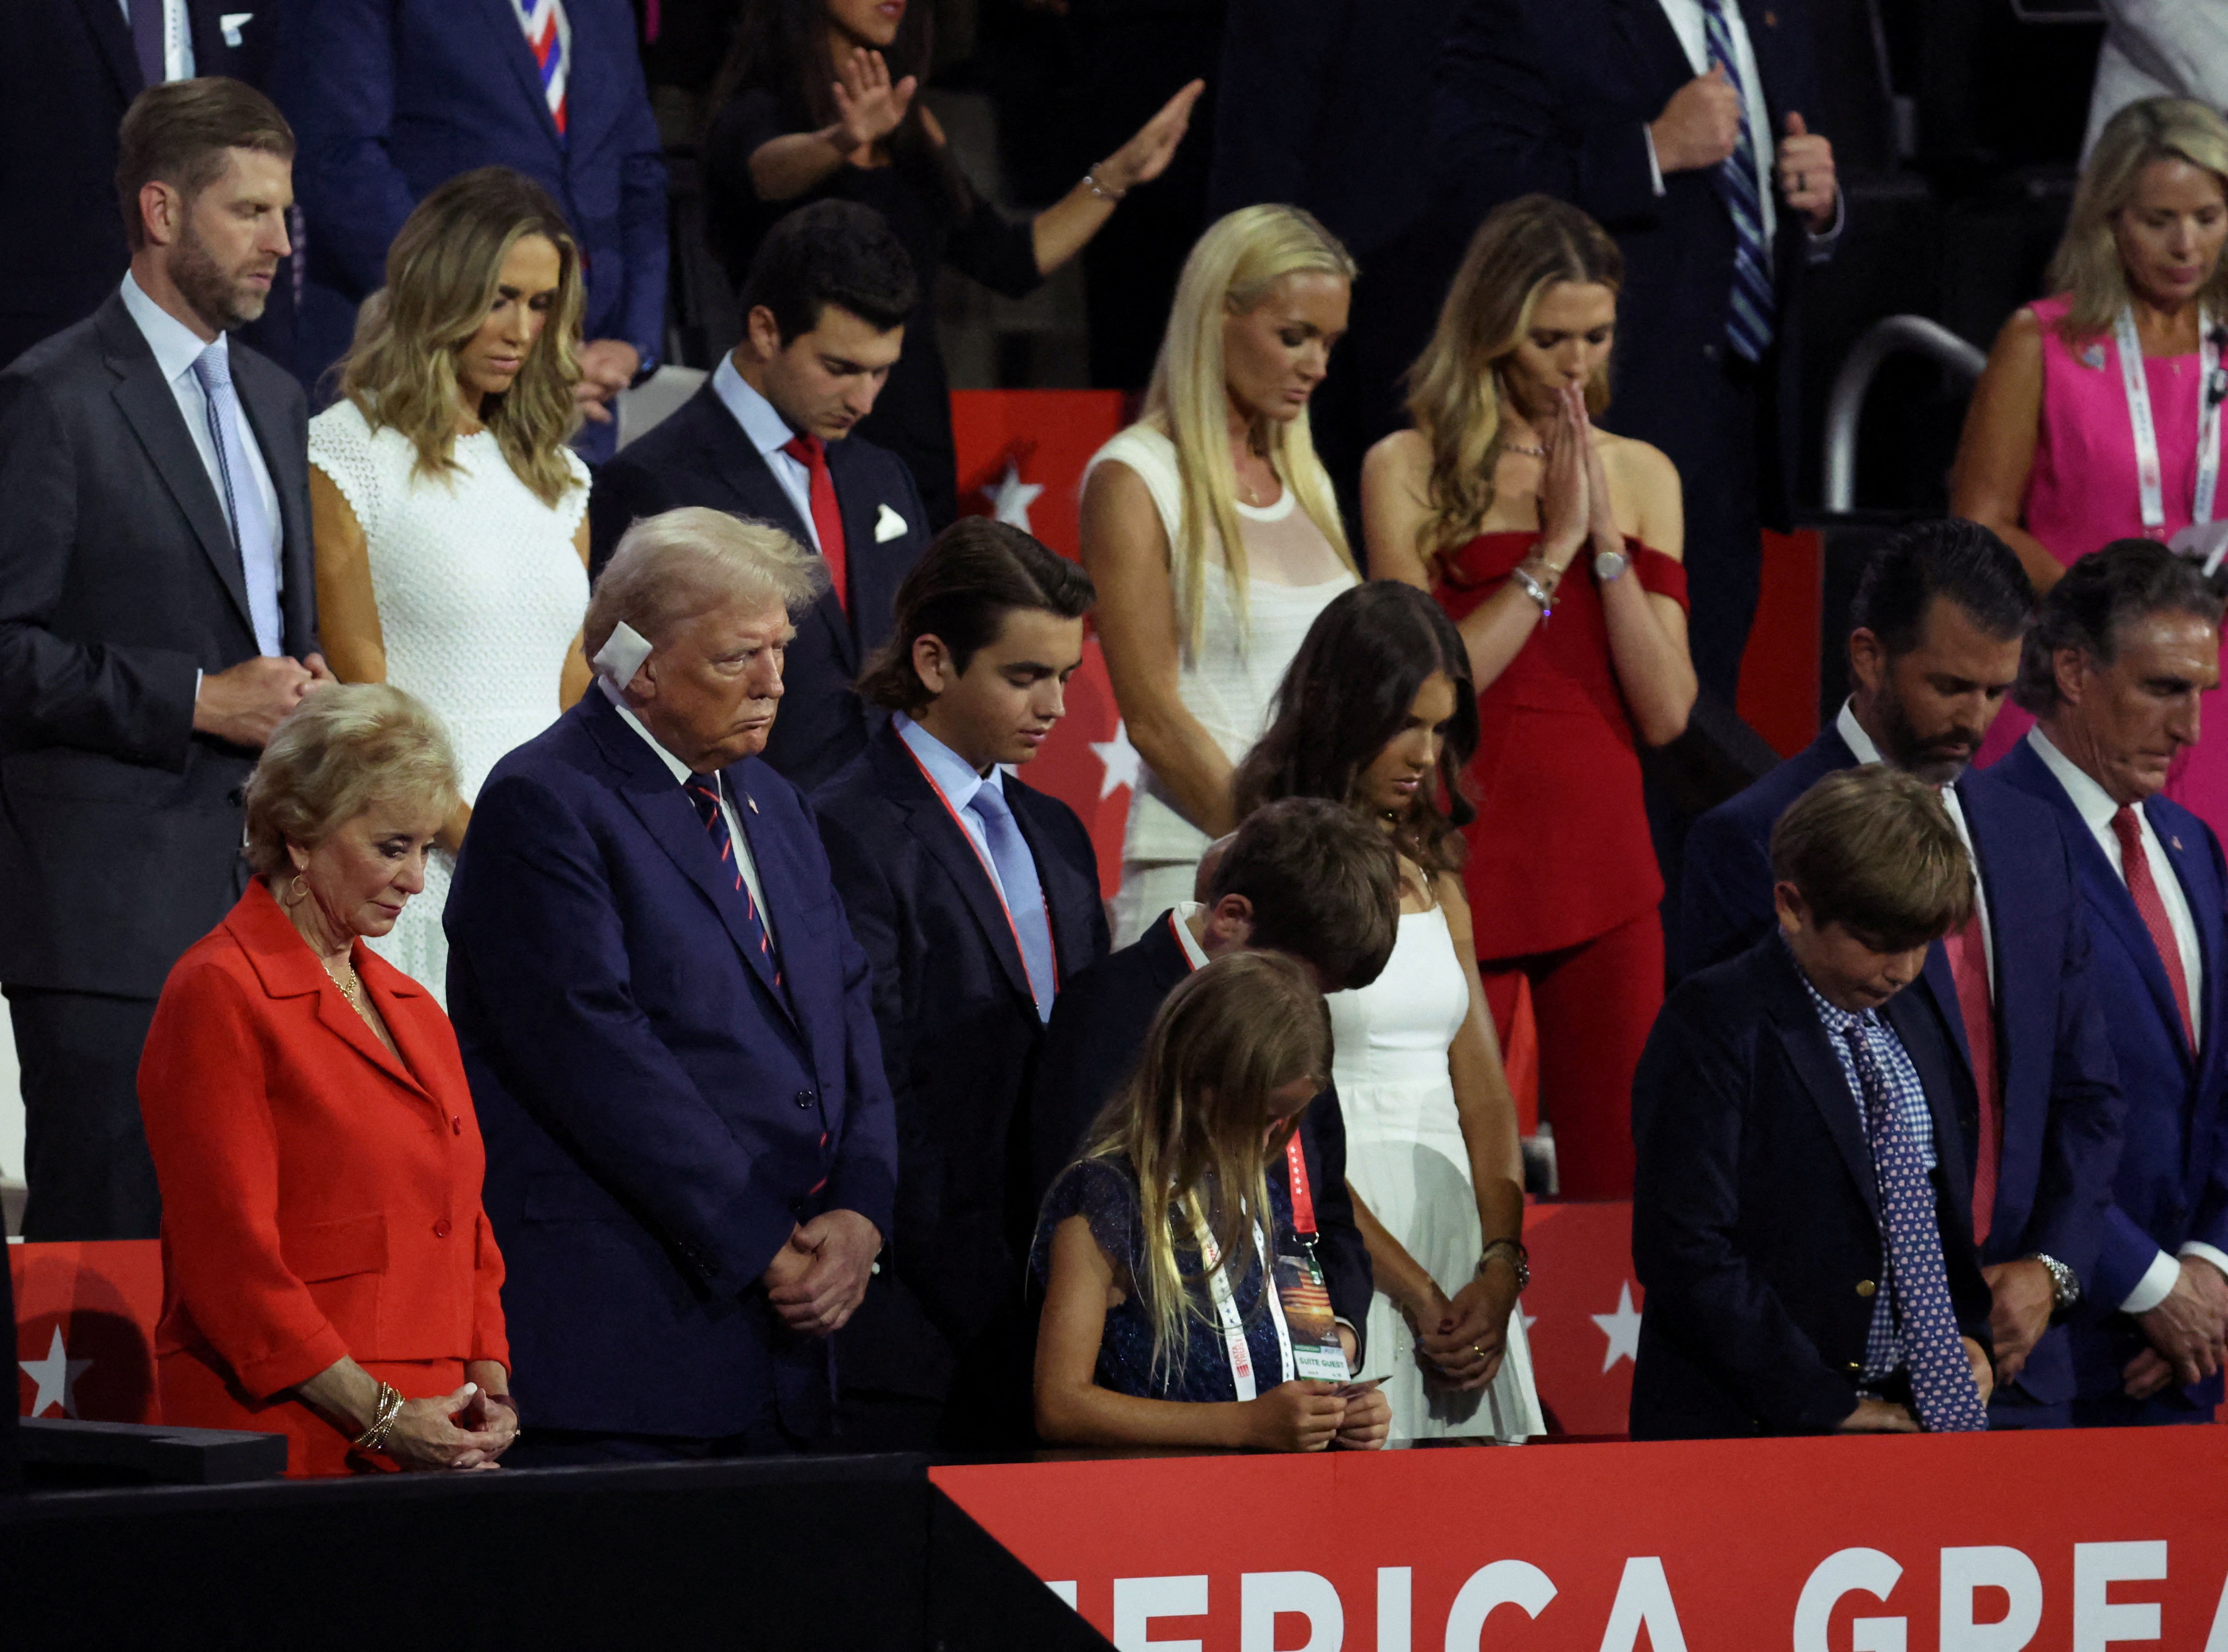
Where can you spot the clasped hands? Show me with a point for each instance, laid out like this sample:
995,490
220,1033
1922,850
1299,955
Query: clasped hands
2188,1333
818,1279
1702,126
1462,1340
1875,1416
1575,502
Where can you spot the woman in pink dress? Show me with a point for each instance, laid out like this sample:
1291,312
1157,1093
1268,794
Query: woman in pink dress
2052,454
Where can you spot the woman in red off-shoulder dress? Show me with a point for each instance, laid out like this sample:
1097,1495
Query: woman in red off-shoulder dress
1555,548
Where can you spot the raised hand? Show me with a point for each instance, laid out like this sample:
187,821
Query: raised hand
1565,501
1146,156
1806,172
1601,511
868,107
1700,126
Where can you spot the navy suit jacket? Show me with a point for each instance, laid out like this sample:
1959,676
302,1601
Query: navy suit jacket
2172,1180
1552,96
1091,1047
390,97
1755,1220
701,457
960,1037
2061,1086
658,1114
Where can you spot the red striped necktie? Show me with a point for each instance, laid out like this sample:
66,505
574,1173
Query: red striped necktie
548,35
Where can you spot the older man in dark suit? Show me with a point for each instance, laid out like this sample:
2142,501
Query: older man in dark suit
769,436
156,620
1680,125
1799,1211
670,1029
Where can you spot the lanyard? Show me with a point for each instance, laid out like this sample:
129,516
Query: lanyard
2137,384
1303,1201
991,873
1233,1323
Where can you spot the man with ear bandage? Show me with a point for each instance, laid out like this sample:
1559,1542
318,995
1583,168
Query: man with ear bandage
669,1027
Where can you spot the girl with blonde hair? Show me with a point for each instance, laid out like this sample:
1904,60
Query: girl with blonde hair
1162,1322
2129,339
1211,531
1508,505
451,517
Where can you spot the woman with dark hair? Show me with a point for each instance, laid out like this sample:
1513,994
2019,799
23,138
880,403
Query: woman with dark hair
1507,504
819,100
1377,712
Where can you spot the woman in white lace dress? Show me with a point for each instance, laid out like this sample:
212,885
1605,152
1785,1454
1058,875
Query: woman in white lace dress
1211,531
1378,711
451,516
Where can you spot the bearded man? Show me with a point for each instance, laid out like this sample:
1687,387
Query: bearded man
157,616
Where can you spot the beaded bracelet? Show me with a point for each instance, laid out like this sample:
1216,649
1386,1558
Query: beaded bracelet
1091,183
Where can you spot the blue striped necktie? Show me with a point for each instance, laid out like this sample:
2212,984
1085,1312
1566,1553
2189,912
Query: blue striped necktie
1749,323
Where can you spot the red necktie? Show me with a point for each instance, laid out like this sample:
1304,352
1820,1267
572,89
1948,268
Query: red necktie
2136,867
1968,967
826,519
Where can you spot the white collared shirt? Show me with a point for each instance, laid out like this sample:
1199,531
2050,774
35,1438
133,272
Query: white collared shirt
2095,806
176,348
177,37
745,860
1853,732
1179,920
1690,23
769,432
956,778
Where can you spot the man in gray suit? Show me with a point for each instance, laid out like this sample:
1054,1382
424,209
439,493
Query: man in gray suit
156,620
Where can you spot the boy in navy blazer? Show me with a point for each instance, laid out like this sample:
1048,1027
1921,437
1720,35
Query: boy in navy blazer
669,1030
1934,648
2126,643
975,898
1799,1214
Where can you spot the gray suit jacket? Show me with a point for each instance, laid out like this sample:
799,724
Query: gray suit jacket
119,826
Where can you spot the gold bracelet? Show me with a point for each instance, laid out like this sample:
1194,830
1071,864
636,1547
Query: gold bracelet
382,1422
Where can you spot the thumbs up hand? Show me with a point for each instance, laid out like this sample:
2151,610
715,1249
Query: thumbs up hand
1806,173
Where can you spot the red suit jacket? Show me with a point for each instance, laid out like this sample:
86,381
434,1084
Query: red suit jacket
320,1199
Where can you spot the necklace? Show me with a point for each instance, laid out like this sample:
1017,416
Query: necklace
352,993
1529,452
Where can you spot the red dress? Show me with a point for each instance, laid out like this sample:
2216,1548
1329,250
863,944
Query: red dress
320,1197
1562,878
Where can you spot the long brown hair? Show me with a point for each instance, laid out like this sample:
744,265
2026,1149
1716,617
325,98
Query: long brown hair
1193,1125
442,274
1456,387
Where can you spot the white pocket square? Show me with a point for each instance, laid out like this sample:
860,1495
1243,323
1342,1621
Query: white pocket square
888,526
230,23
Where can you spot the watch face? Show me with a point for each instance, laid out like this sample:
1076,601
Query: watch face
1610,564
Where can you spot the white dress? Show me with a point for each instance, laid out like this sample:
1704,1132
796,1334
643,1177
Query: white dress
1229,683
1406,1161
480,591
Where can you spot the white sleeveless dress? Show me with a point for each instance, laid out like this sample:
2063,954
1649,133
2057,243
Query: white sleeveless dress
1229,683
1406,1161
481,593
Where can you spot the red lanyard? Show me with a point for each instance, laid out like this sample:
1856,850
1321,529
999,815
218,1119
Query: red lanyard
989,871
1303,1203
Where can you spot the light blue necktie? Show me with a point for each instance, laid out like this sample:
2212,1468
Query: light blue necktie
252,534
1749,326
1017,877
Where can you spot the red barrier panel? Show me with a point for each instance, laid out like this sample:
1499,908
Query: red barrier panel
2090,1539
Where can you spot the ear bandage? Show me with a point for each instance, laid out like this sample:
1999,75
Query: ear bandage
622,657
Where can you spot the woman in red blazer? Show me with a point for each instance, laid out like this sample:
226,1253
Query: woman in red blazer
328,1272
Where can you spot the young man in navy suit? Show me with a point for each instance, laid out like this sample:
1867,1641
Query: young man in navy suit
1934,648
975,898
1799,1214
669,1030
769,436
2127,643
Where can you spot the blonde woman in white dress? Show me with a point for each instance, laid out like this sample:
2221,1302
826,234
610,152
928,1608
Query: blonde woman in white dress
1378,711
449,515
1211,531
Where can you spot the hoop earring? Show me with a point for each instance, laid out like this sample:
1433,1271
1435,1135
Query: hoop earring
299,889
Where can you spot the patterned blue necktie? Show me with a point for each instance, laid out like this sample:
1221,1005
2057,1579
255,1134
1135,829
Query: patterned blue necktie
1942,1385
1749,323
704,792
252,534
1025,903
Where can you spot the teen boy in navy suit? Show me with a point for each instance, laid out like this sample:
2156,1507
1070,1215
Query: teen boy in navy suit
975,897
2126,643
1799,1210
769,436
1934,648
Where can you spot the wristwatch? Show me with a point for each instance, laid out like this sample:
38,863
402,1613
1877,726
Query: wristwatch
1610,565
2065,1289
1519,1260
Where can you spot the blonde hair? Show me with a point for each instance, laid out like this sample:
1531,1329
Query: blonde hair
2086,267
670,567
1233,271
1192,1125
442,275
345,748
1457,385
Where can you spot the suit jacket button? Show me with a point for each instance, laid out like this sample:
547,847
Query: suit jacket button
441,1228
1865,1287
805,1098
1853,1368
